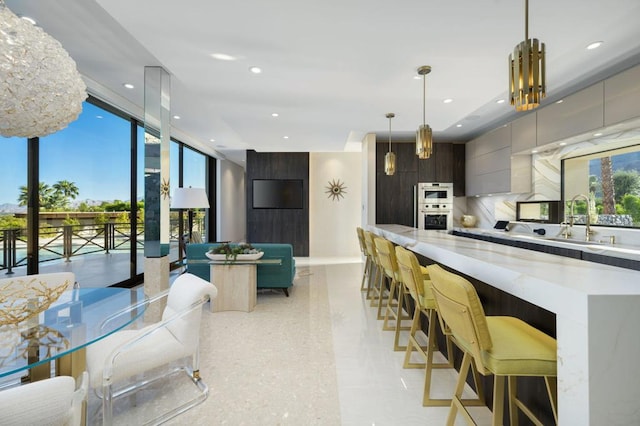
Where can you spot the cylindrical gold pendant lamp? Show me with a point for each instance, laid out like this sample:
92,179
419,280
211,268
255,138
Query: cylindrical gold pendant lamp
390,157
424,135
527,86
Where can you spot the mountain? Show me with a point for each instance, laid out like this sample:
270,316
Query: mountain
12,208
629,161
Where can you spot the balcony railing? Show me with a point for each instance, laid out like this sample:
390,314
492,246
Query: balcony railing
68,241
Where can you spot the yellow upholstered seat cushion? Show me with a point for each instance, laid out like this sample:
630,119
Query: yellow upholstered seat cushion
519,349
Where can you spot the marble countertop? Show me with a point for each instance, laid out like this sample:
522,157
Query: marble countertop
546,280
594,247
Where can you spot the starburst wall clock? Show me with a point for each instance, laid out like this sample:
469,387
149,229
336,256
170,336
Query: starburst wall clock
336,190
164,188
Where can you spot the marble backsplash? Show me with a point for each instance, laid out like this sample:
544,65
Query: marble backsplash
545,185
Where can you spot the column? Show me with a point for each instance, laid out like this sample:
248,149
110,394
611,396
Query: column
157,126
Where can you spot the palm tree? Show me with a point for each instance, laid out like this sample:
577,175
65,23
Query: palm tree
45,193
67,190
608,193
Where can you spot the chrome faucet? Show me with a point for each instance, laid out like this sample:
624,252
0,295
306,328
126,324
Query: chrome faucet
588,231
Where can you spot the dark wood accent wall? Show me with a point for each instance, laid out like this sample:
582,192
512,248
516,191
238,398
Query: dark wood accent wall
459,157
278,225
394,194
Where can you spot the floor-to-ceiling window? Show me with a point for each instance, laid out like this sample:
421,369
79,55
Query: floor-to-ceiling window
85,183
13,222
175,230
194,174
91,192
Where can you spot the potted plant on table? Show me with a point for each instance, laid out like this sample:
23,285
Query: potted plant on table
231,252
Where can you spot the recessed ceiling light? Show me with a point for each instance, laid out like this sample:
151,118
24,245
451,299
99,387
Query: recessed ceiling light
563,143
177,117
128,85
458,125
255,70
285,137
223,57
597,134
560,101
29,20
594,45
500,101
534,151
212,140
275,114
417,77
447,101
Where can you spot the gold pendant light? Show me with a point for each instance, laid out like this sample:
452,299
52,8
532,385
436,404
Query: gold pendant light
527,85
424,135
390,157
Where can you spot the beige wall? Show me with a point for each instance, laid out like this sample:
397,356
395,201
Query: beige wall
332,224
231,221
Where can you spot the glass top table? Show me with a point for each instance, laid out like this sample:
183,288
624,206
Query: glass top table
77,319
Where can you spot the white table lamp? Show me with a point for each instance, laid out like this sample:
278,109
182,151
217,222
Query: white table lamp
189,199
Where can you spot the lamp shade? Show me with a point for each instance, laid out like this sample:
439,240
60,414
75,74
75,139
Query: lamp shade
189,198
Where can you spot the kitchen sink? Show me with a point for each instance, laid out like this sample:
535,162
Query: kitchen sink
572,241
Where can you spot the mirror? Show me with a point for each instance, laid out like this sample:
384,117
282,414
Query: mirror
538,211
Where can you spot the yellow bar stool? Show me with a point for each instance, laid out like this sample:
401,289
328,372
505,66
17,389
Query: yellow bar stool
372,279
506,347
367,262
398,305
417,280
377,288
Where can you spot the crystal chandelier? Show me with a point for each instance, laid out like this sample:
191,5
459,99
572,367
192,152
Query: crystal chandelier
390,157
424,135
527,70
41,90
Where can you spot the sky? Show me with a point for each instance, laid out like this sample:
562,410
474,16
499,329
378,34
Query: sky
93,152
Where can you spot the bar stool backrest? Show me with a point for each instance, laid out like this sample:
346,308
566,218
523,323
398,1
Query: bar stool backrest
363,245
413,278
461,310
371,246
387,257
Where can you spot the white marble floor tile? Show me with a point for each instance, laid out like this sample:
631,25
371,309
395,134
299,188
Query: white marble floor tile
319,357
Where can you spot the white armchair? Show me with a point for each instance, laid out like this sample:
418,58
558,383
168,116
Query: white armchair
55,401
129,361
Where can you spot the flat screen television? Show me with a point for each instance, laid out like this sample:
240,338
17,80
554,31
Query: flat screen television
277,194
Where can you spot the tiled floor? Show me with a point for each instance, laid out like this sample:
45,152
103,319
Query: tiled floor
318,357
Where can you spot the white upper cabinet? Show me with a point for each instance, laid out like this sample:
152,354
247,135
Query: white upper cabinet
576,114
488,163
524,133
622,96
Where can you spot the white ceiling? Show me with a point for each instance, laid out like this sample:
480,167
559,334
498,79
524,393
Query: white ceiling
332,69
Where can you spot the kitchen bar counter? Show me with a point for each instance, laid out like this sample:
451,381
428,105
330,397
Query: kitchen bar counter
625,256
597,310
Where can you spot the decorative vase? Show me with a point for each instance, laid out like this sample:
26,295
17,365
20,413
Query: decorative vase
468,221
